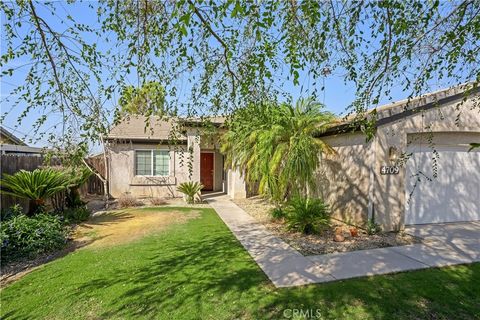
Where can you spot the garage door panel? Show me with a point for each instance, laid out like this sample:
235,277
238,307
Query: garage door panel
453,196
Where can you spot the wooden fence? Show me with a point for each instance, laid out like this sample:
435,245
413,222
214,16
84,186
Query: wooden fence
94,185
10,164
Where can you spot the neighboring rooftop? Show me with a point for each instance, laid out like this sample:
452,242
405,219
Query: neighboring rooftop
12,149
6,137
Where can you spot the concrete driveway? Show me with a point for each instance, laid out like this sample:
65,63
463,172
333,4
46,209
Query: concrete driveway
458,232
461,238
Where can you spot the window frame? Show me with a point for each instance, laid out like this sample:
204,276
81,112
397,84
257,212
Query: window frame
151,163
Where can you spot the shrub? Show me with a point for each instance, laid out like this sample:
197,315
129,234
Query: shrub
70,197
278,213
13,211
77,177
127,201
23,236
37,186
158,201
373,227
307,215
191,190
76,215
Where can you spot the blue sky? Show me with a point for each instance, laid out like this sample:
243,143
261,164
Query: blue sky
337,95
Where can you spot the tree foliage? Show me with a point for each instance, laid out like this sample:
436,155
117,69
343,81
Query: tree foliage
216,56
148,100
474,145
274,146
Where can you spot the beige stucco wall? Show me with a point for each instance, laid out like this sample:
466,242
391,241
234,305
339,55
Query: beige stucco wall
122,171
122,168
236,187
351,181
218,172
389,194
344,178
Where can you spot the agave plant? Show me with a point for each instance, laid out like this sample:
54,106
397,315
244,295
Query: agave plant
307,215
37,186
191,190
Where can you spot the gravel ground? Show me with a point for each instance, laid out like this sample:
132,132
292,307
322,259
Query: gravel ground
323,243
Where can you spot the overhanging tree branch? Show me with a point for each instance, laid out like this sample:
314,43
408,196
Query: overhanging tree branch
226,50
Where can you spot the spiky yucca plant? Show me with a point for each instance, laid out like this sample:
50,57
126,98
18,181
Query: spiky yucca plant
191,190
37,186
307,215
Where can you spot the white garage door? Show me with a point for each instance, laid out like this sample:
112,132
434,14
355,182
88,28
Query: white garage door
453,196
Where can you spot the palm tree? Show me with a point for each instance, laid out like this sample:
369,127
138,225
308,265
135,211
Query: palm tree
37,186
276,146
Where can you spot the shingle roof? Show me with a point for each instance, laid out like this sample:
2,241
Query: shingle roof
141,127
136,127
11,136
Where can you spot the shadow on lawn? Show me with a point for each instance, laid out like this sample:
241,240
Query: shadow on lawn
183,274
192,274
206,273
108,218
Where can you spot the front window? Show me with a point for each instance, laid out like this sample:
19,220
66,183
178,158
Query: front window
161,163
152,163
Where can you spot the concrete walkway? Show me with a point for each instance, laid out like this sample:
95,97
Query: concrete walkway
286,267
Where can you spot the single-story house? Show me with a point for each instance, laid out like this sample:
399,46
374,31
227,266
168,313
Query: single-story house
387,177
6,137
415,170
12,145
150,157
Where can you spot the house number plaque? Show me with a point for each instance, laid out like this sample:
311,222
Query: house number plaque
389,170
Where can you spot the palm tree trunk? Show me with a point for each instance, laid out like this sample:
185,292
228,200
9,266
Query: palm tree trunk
34,206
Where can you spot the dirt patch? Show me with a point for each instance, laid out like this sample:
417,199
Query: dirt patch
96,203
119,227
105,228
323,243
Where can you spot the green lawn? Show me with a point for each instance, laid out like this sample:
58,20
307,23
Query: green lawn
199,270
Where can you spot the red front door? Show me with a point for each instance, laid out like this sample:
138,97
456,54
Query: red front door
206,170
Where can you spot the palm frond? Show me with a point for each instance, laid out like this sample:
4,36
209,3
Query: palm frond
276,146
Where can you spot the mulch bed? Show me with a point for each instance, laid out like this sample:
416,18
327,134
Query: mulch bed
324,242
